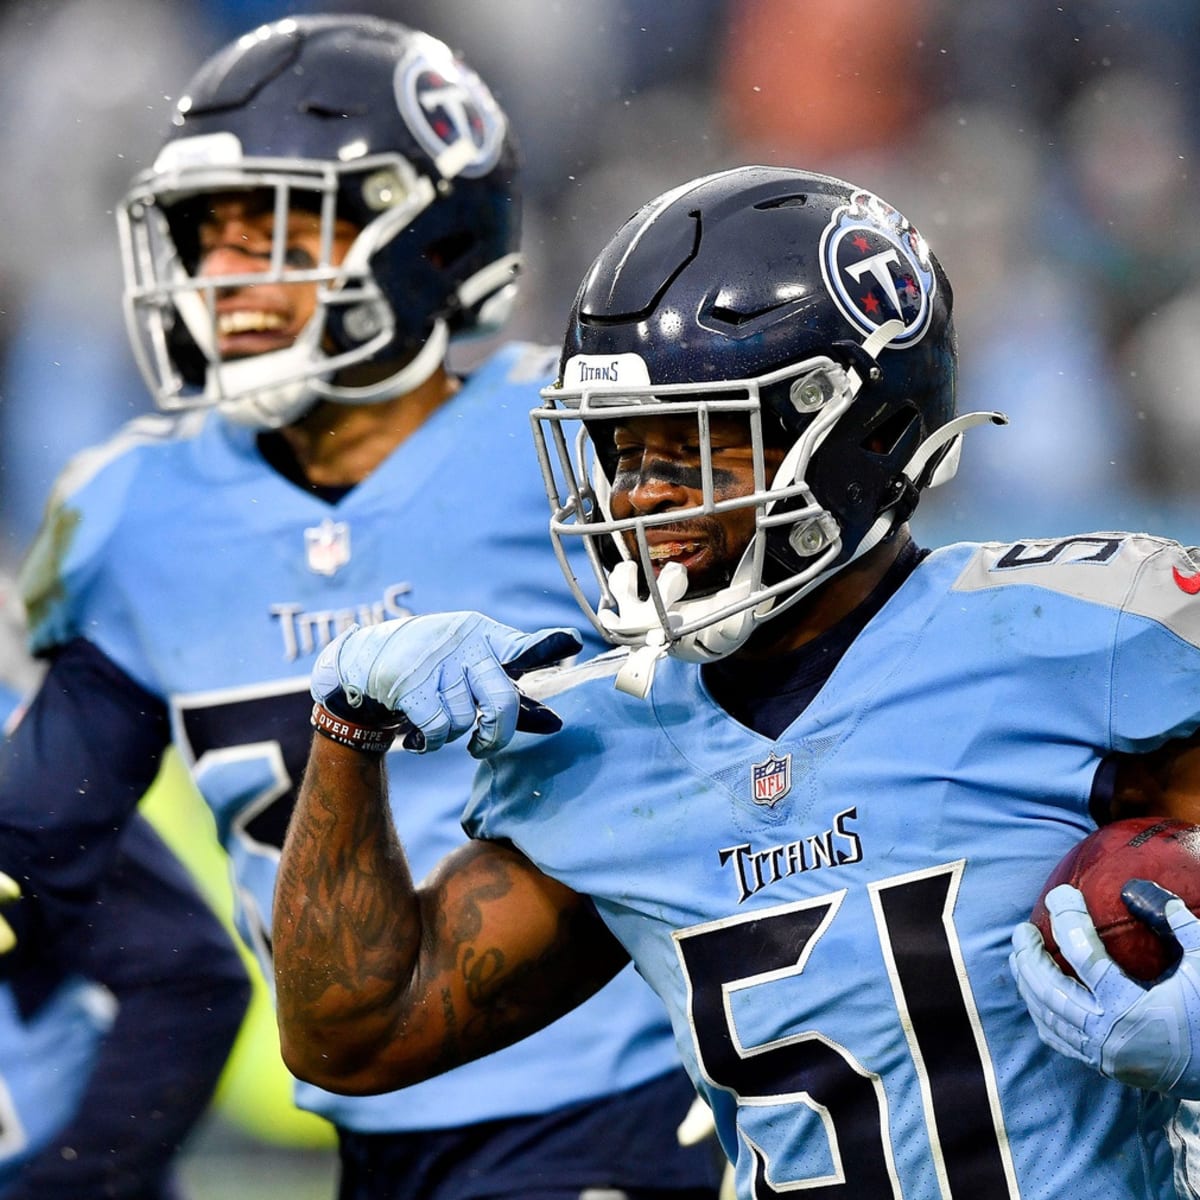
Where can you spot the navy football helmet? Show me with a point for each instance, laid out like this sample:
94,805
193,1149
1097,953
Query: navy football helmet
803,302
349,117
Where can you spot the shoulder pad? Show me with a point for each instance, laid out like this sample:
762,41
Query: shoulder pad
1137,573
84,509
153,427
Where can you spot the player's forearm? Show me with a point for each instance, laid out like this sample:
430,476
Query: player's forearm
347,924
380,985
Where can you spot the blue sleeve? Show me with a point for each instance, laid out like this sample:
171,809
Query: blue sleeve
1156,655
181,991
71,775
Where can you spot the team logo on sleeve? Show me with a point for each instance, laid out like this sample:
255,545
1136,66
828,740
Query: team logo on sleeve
878,268
449,109
771,780
1189,581
327,546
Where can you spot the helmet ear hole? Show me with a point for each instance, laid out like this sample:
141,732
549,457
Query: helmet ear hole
445,254
900,426
446,251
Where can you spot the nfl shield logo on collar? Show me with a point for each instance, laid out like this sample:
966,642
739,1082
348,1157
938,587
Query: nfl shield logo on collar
327,546
771,780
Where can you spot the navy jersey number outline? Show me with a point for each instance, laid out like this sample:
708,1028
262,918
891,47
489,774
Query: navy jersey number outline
246,749
935,1008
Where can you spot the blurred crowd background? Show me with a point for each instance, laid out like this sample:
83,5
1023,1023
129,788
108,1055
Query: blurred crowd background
1045,150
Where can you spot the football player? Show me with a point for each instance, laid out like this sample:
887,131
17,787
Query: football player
337,200
111,1039
835,769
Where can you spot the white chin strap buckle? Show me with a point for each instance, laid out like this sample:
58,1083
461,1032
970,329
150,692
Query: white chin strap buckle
637,672
634,616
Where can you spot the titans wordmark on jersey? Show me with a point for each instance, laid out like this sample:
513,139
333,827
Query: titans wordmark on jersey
835,960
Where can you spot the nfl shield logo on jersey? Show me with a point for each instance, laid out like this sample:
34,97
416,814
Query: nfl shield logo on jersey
770,781
327,546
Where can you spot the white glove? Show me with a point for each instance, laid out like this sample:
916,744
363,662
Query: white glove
1143,1036
434,678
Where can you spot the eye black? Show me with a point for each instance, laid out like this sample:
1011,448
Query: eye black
297,256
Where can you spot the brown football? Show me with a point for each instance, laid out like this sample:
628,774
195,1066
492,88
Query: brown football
1155,848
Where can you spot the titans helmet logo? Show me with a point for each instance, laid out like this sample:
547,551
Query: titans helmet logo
877,268
449,109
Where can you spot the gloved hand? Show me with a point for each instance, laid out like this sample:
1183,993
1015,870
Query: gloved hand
1143,1036
432,677
10,890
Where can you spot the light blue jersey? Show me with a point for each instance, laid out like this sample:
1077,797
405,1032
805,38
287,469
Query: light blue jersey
828,916
214,582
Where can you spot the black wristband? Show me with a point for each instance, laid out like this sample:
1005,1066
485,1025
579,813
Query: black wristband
368,738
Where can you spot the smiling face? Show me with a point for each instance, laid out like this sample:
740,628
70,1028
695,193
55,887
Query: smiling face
658,470
236,233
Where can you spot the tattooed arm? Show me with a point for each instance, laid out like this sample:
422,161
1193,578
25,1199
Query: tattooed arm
380,984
